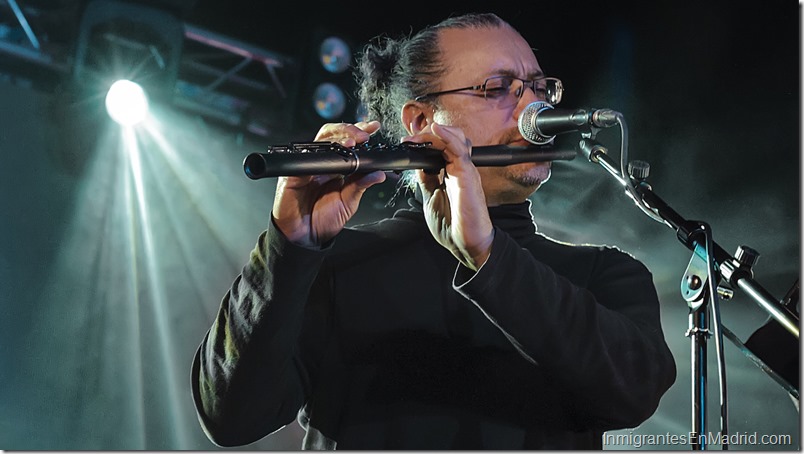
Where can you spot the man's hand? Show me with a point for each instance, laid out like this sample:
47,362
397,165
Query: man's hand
454,202
311,210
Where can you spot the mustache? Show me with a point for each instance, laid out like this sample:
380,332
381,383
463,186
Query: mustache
512,135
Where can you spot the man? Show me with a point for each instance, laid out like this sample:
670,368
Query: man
453,324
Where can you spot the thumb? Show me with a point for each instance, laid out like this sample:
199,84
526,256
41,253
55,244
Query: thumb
355,185
429,182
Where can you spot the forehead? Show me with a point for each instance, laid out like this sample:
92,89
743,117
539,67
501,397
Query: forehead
472,54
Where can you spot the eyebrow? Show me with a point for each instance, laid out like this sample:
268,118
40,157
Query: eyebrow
508,72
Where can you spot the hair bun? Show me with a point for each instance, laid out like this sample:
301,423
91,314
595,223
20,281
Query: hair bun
378,60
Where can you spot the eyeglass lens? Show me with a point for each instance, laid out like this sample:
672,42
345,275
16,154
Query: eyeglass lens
508,90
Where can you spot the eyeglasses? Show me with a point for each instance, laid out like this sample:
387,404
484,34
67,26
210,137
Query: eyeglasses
506,91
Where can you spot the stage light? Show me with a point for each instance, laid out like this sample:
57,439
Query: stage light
120,39
326,87
126,103
329,101
335,55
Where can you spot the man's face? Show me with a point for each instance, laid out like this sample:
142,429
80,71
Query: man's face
470,57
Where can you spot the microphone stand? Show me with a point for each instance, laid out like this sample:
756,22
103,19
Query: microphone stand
709,264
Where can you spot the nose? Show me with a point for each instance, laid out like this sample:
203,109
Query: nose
528,91
528,96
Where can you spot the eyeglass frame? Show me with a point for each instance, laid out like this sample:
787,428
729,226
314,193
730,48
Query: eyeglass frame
482,87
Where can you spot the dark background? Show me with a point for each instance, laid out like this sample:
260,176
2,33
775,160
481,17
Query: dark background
112,267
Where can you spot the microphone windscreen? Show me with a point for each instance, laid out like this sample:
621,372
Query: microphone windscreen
527,123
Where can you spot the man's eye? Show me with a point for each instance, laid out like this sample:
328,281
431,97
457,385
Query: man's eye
496,92
498,86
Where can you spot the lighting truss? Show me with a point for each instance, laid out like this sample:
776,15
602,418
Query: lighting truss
233,83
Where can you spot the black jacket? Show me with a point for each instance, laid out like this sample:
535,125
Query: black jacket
385,342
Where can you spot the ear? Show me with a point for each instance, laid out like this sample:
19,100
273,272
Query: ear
416,116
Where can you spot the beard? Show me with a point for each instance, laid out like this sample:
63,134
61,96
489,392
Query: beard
528,175
513,184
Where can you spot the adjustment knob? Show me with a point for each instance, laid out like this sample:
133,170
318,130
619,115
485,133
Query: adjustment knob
639,169
746,256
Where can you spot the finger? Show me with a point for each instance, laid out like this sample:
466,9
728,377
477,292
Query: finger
356,185
333,132
365,180
428,183
293,182
425,136
457,146
370,127
434,145
451,140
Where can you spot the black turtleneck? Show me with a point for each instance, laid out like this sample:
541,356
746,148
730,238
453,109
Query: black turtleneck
514,219
388,343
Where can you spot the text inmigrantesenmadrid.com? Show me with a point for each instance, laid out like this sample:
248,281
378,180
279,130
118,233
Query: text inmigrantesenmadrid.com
637,440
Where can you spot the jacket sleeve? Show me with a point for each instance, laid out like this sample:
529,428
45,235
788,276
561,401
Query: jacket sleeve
604,341
251,374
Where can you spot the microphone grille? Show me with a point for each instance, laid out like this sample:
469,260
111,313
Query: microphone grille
527,123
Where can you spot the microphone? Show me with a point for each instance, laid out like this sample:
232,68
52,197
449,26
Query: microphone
539,122
323,158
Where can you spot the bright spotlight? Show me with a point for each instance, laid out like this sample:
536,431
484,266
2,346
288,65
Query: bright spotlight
126,102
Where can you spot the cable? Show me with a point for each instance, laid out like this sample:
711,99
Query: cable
717,328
